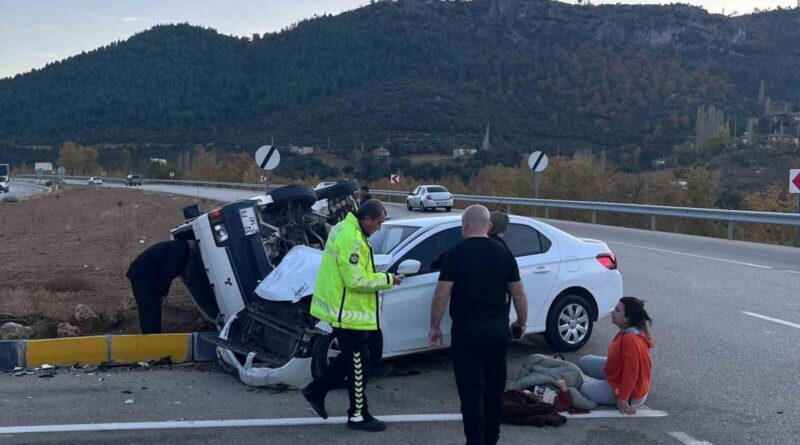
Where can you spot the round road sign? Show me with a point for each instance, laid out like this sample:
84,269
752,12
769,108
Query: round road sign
537,161
268,157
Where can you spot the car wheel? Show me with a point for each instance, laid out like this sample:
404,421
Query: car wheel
342,188
408,206
421,206
569,324
298,193
325,349
447,209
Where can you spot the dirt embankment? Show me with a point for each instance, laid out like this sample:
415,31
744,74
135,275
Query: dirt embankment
61,250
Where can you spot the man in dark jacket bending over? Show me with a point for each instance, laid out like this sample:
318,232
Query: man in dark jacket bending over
151,275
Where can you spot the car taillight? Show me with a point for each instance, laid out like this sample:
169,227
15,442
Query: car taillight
608,260
429,198
215,215
220,232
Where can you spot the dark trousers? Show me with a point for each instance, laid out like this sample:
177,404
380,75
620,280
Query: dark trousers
358,350
480,368
148,301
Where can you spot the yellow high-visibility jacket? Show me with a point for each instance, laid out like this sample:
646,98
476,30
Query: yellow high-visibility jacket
346,290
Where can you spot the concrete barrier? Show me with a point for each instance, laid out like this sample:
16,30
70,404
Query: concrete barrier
112,349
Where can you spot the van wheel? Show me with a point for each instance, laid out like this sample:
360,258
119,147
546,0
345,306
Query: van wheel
341,188
447,209
298,193
569,324
325,348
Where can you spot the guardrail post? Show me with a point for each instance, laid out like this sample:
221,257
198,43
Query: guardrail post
594,216
546,212
730,229
652,222
508,209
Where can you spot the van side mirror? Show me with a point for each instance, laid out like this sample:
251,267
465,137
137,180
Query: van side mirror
191,212
409,267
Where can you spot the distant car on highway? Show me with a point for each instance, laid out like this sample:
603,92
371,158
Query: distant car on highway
133,180
429,197
94,180
324,184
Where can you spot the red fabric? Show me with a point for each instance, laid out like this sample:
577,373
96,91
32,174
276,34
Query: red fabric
628,367
563,401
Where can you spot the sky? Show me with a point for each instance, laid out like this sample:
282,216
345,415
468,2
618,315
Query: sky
36,32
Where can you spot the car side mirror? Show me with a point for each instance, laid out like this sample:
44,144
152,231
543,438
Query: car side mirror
409,267
191,212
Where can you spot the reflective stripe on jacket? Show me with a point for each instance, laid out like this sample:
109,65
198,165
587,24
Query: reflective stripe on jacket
346,291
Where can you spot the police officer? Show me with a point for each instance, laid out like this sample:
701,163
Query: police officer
476,276
151,275
346,296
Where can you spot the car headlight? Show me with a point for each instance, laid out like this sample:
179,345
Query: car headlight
220,232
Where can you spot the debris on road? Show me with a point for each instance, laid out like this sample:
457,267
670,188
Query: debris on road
129,402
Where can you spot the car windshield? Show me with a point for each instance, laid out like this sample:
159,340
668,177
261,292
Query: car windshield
437,189
390,236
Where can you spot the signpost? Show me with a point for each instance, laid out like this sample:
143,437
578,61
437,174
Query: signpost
794,187
394,179
537,161
268,157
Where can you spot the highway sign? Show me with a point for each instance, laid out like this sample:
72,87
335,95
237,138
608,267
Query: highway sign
268,157
537,161
394,179
794,180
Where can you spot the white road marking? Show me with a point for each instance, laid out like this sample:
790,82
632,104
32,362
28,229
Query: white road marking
793,271
298,421
687,439
613,413
693,255
776,320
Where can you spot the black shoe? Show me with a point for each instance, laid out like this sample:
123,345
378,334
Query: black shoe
317,403
366,423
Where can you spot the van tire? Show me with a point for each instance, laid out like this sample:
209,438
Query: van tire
319,355
296,193
341,188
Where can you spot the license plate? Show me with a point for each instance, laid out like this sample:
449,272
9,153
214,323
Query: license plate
442,203
249,221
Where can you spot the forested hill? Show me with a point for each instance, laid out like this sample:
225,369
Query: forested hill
421,76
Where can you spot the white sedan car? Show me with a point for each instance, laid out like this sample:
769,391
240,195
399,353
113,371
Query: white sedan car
94,180
268,337
429,197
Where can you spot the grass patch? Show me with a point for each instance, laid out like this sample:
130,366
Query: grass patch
67,282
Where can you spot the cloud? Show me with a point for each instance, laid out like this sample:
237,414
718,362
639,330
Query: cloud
44,55
131,19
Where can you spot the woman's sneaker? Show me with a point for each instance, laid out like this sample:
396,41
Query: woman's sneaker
365,422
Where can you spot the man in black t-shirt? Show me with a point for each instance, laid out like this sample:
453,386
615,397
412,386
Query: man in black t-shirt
478,273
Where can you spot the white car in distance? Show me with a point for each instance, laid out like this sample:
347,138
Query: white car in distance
429,197
94,180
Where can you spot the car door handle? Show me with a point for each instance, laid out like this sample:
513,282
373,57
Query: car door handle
541,269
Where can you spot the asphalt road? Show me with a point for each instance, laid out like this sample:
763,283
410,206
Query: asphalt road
727,325
22,190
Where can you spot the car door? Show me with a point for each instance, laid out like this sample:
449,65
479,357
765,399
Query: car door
412,199
538,260
406,309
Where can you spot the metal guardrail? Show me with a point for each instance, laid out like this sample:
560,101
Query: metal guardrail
730,217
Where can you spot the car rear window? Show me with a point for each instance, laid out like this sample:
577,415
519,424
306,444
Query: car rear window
524,240
388,237
437,189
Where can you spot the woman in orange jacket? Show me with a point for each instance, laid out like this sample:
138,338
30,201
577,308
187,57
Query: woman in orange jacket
623,378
